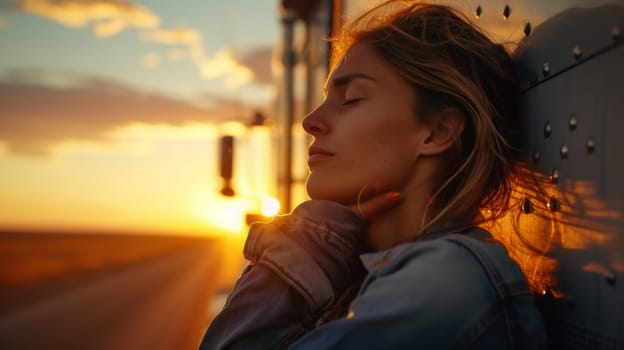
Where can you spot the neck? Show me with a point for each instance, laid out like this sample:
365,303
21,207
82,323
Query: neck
403,222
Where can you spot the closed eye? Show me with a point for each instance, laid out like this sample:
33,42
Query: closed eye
351,101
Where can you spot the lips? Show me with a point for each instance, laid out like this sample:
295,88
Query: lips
317,154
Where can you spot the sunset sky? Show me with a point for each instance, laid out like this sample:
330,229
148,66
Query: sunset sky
111,110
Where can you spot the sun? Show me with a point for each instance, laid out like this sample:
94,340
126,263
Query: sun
222,212
270,206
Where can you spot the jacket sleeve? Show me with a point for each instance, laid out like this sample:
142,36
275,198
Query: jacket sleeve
300,264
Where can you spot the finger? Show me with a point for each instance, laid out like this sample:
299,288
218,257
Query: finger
371,190
378,204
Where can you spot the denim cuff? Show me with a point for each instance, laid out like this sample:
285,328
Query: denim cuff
314,249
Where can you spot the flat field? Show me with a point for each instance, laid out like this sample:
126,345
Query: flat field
29,258
112,291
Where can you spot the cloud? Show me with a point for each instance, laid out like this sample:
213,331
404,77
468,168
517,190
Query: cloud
222,64
151,60
176,54
181,36
4,149
259,61
35,116
108,17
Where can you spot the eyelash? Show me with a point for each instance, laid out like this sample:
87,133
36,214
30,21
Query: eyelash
351,101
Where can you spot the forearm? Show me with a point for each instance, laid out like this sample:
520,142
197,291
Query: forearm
301,263
262,312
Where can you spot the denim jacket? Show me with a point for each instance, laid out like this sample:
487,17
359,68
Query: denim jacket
448,291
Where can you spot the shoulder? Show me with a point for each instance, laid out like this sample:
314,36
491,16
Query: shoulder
439,271
448,258
440,278
467,256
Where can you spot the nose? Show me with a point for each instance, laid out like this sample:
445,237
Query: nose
313,124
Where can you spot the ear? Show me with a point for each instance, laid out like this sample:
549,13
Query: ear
445,128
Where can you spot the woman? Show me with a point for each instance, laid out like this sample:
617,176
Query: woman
413,150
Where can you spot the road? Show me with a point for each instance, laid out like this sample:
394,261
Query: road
162,303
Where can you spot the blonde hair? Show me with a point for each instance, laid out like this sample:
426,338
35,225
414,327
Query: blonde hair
451,63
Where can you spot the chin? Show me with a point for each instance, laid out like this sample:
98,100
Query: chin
333,192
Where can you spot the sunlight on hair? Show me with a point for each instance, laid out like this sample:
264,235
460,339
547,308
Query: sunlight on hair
569,216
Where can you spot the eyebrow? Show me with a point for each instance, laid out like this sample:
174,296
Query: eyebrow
346,79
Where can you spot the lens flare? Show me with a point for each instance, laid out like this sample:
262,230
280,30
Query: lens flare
270,206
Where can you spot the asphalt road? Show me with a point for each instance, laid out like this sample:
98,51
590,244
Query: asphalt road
163,303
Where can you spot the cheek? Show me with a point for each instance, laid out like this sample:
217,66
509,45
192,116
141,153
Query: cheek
390,156
371,151
344,180
389,166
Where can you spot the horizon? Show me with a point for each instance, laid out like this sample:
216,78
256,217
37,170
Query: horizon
111,113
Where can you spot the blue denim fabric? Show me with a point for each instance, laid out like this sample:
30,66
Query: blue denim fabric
449,291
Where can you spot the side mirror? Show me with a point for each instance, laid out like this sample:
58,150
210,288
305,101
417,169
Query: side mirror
226,164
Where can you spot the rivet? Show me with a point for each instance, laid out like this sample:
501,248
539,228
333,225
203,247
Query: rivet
572,122
547,130
506,12
554,176
536,157
610,277
616,32
563,151
527,207
546,69
577,52
547,293
590,145
552,204
478,11
527,29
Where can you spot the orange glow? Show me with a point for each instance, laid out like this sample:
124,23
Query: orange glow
270,206
132,149
146,178
582,225
222,212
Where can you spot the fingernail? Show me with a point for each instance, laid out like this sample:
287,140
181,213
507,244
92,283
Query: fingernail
394,196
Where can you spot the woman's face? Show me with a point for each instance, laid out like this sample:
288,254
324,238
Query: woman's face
366,132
